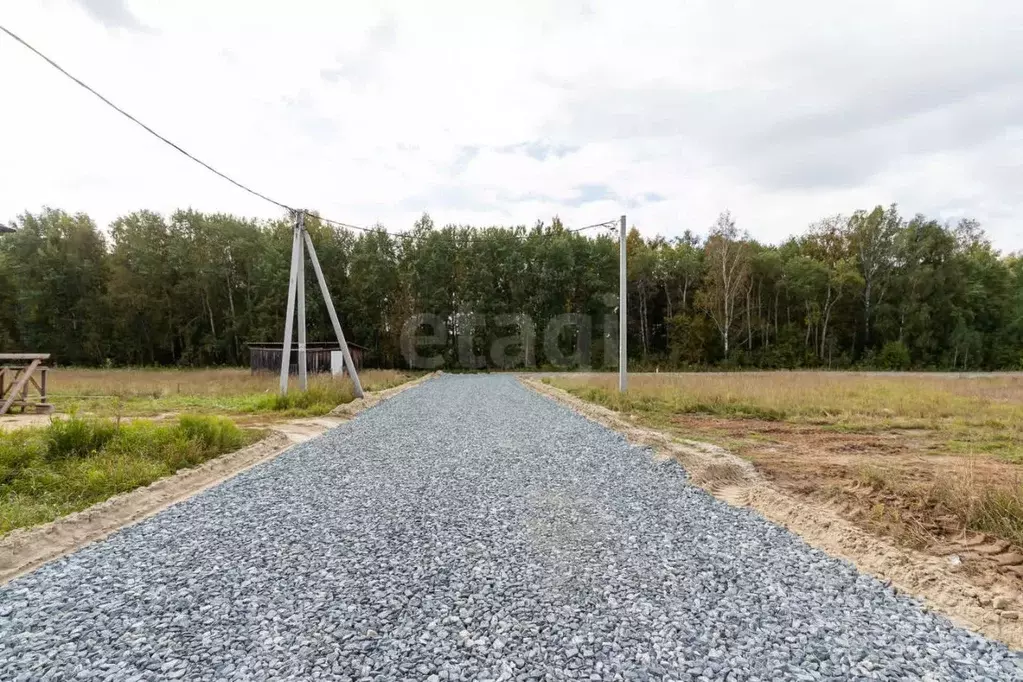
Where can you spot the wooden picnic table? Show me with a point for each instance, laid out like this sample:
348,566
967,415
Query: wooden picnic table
18,375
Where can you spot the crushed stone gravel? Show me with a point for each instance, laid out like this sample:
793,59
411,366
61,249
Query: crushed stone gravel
469,529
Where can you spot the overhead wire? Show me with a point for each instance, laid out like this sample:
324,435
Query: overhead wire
606,223
338,223
143,125
213,170
470,237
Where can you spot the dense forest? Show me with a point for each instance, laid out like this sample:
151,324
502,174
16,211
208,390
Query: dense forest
872,290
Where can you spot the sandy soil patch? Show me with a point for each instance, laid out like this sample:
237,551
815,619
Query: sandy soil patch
9,422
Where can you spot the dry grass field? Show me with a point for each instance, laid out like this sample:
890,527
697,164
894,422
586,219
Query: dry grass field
924,458
234,391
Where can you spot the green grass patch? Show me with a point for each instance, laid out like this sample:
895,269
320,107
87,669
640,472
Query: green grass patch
649,404
997,445
73,463
226,392
318,399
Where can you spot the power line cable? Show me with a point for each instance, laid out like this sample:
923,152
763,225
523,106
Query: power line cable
210,168
143,125
470,237
606,223
338,223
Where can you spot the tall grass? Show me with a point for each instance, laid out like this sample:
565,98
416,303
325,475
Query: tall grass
77,437
983,414
320,397
128,392
963,495
814,395
73,463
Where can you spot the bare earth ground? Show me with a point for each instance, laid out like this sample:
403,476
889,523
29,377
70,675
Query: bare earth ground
984,601
9,422
25,549
843,463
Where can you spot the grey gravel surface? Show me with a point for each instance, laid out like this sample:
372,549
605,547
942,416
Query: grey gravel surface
469,529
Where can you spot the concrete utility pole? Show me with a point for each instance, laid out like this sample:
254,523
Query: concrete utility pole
303,374
289,316
300,241
623,317
347,354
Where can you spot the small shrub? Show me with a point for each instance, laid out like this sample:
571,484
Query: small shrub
868,360
74,437
894,356
213,434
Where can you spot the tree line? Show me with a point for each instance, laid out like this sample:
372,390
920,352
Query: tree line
871,290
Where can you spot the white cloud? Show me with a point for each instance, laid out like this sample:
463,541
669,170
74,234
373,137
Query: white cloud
782,112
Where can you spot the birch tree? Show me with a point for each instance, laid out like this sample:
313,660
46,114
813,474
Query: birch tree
873,238
727,259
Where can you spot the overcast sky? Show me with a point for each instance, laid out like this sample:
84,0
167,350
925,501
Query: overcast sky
502,113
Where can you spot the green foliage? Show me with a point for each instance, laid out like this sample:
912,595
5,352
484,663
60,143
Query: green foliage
73,463
76,437
216,434
692,339
192,288
18,450
319,398
894,356
58,270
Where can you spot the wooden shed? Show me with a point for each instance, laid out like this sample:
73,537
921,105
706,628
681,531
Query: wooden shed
266,357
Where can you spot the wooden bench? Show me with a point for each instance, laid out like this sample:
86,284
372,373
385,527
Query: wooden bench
18,375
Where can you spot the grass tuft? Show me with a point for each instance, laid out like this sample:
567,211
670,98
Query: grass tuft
322,396
46,472
77,437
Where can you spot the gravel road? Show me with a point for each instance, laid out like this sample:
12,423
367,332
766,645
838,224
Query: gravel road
469,529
